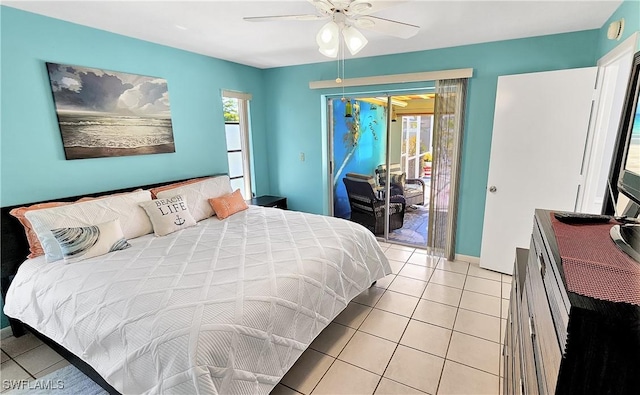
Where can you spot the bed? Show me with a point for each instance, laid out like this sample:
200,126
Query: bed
226,306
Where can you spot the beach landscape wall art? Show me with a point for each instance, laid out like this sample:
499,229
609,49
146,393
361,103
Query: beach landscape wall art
104,113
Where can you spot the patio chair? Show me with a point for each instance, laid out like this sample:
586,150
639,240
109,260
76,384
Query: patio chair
413,189
367,204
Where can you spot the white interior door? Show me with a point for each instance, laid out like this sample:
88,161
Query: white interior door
611,85
539,131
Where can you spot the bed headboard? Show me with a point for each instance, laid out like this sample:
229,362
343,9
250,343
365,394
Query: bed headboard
13,241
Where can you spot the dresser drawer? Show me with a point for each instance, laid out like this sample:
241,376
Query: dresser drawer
528,359
554,287
546,349
511,350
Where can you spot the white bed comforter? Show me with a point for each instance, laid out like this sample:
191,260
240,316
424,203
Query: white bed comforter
224,307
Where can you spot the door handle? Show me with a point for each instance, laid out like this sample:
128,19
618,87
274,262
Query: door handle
493,189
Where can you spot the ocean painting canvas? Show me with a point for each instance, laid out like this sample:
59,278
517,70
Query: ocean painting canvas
104,113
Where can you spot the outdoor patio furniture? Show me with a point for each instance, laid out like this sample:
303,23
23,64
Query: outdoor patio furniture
413,189
367,206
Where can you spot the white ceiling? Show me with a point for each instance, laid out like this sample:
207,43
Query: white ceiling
216,28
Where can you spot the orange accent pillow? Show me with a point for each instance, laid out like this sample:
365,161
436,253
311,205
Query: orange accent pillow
34,244
155,191
228,204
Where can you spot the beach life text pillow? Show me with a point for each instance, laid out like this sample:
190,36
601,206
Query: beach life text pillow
199,193
168,215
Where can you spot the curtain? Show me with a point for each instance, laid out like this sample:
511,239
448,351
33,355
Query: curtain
445,172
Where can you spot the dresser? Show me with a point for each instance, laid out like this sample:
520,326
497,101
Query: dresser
562,342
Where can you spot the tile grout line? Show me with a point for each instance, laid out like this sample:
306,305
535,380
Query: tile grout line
452,330
336,358
398,343
33,375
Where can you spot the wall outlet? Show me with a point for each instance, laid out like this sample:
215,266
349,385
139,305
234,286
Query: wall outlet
301,156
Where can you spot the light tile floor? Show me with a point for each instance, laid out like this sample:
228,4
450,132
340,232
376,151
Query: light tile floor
432,326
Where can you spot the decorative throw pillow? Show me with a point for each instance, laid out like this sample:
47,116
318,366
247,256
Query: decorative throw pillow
155,191
198,194
398,179
89,198
85,242
229,204
168,215
133,220
35,248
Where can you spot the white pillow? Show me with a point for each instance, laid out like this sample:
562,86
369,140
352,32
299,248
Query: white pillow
85,242
197,195
168,215
133,219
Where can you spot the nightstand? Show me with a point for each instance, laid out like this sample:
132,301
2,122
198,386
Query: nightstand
269,201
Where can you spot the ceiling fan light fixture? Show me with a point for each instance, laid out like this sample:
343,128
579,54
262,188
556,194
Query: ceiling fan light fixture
331,52
328,35
354,40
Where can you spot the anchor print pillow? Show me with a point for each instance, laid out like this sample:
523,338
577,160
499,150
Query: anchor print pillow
84,242
168,215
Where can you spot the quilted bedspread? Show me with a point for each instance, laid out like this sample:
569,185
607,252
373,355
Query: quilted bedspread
225,307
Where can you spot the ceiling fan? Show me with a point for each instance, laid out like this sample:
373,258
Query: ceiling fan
345,16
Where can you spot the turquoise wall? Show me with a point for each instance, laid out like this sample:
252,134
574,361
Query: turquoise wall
32,162
296,115
630,11
33,166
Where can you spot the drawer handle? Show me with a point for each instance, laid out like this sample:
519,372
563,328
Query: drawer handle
521,387
532,328
542,265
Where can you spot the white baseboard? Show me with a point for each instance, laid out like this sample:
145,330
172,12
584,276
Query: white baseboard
468,258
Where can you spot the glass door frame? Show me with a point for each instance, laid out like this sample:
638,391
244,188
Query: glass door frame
328,100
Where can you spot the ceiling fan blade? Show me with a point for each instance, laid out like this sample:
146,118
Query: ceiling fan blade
368,7
305,17
324,6
387,26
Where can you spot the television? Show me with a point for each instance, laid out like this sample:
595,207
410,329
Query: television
625,172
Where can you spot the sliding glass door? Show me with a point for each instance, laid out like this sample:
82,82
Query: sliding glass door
358,143
378,166
395,161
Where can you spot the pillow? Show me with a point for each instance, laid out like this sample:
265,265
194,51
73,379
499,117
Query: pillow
398,179
197,195
155,191
89,198
85,242
35,248
125,207
229,204
168,215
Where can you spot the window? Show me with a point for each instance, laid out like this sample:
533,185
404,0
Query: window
416,145
236,126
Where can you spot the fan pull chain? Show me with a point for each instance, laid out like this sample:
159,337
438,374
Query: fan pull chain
341,58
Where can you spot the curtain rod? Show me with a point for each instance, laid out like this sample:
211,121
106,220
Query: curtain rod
394,78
